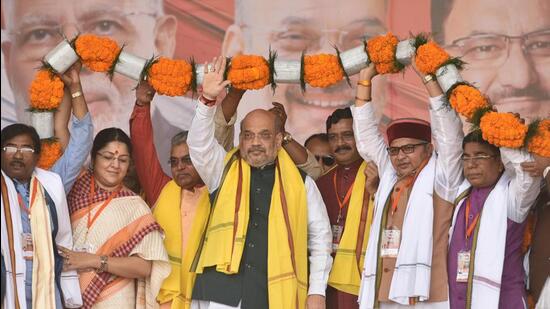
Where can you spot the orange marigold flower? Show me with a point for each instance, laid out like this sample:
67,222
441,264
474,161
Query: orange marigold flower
540,143
50,153
322,70
248,72
97,53
170,77
503,129
386,68
466,100
46,91
381,51
429,57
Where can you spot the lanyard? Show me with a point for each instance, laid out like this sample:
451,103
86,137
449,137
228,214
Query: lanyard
33,195
396,199
102,207
341,204
469,228
412,178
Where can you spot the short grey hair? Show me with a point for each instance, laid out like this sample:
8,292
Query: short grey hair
180,138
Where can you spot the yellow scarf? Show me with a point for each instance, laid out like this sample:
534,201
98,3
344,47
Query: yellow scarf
43,266
346,270
287,229
178,287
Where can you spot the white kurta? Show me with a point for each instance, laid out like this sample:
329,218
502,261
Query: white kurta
69,279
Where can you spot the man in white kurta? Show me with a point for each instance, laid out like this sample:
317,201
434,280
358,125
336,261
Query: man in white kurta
34,220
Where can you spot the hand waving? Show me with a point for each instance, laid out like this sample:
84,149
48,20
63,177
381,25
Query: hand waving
213,82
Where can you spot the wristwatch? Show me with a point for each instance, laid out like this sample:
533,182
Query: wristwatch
287,138
103,266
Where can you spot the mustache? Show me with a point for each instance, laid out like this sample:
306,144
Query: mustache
532,90
256,148
338,149
17,162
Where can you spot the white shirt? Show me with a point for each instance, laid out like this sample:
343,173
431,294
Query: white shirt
207,156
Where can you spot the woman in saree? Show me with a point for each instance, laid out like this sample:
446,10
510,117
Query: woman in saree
118,248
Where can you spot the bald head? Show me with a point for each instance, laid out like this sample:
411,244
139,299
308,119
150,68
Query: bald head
265,116
260,138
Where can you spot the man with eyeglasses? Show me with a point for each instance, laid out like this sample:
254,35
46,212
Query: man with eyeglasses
349,207
404,263
506,48
35,220
318,145
181,202
485,259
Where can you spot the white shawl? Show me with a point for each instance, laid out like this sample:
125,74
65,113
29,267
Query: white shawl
411,277
69,280
491,241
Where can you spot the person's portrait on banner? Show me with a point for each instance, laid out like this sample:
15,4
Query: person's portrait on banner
506,45
292,27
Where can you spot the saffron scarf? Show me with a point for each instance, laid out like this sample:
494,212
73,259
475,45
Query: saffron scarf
43,283
226,232
350,255
178,287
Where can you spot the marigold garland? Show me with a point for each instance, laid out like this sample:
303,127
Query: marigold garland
170,77
429,57
466,100
97,53
540,143
503,129
50,153
45,91
381,51
249,72
322,70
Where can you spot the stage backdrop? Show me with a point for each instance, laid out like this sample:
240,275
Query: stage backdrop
505,43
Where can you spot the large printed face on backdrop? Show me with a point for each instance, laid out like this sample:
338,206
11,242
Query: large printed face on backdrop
35,27
291,27
507,48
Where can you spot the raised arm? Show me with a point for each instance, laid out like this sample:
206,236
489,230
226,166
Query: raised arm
148,168
447,136
206,154
523,189
303,159
225,117
369,141
80,141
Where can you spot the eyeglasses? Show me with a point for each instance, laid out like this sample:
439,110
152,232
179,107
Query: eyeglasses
264,136
346,136
111,157
13,149
37,38
492,50
298,34
476,159
326,160
407,149
185,161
